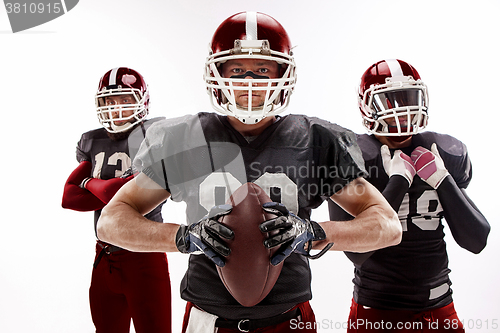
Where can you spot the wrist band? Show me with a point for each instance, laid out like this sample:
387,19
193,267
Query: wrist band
84,182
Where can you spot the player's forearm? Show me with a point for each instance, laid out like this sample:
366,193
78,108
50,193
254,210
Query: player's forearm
394,193
122,225
375,228
77,198
376,224
105,189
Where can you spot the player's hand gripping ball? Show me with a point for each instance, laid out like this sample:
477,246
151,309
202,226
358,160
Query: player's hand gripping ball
430,166
400,164
293,233
248,274
207,236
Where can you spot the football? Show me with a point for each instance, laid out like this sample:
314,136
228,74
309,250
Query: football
248,274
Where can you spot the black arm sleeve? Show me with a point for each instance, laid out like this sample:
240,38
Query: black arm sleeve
395,191
468,226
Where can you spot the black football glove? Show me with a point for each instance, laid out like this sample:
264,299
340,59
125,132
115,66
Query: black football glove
206,236
293,234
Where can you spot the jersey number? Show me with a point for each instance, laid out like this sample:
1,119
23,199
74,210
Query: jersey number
428,211
271,183
112,160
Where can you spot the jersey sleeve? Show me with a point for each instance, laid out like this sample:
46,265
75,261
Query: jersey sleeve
453,152
342,155
159,155
460,167
82,149
176,154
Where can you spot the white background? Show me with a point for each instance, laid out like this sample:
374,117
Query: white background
48,78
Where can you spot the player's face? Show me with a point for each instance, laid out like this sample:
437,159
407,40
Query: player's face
404,121
392,103
237,67
393,123
116,102
397,141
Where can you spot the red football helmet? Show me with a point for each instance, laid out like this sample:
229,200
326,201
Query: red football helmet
117,114
250,35
393,100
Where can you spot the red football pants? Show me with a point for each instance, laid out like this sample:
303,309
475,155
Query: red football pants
129,285
362,319
307,323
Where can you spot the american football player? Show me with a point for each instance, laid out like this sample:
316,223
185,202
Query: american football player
125,285
423,175
201,159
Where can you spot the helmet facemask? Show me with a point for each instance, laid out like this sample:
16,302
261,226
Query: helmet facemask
396,108
277,90
130,113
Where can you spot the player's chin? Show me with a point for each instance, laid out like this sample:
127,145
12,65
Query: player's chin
257,102
120,122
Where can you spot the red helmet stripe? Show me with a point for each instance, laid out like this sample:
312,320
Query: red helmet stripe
251,26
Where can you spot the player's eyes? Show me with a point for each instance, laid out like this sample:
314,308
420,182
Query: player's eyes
236,70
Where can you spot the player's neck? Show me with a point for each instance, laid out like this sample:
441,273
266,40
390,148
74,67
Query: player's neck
251,130
392,144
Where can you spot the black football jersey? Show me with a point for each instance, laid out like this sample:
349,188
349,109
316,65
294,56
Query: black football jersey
202,159
110,158
414,274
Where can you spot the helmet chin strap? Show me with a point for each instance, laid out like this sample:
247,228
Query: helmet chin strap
122,128
252,117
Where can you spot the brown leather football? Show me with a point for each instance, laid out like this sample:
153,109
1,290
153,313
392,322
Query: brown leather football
248,274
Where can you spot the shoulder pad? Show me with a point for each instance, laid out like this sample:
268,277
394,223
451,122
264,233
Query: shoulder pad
446,143
369,145
86,141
